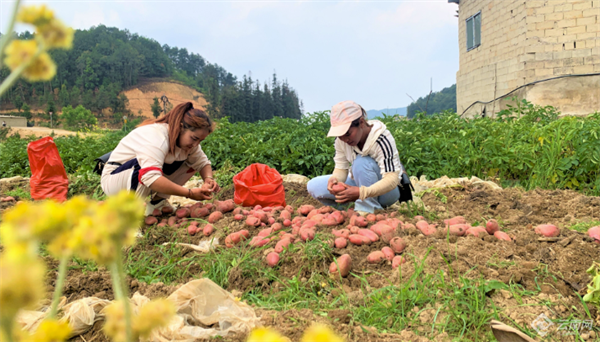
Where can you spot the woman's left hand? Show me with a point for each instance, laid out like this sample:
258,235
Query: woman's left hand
214,186
351,194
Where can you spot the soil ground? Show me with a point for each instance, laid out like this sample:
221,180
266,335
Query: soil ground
554,270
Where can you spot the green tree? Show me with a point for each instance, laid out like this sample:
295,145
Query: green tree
78,117
26,111
17,101
156,108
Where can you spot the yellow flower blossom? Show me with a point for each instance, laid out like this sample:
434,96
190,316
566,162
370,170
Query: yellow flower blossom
56,35
41,69
320,333
155,314
115,321
22,284
264,334
19,52
51,330
35,15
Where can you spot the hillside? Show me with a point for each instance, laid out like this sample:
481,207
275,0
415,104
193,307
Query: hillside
377,113
141,97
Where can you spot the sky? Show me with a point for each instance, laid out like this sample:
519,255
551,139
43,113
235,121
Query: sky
376,53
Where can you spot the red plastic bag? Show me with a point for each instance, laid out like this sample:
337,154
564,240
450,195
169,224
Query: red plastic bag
259,184
48,175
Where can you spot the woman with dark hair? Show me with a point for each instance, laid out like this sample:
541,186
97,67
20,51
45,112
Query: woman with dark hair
367,170
160,156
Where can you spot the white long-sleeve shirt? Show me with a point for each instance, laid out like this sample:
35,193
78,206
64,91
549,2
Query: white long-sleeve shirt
149,144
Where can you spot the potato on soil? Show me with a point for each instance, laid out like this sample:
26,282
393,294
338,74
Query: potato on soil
371,218
547,230
237,211
235,238
397,261
478,231
289,208
353,229
342,266
376,257
150,220
408,226
225,206
361,221
167,209
259,241
359,240
287,223
183,212
172,221
156,212
492,226
502,236
343,233
272,259
326,210
257,207
191,229
276,226
340,242
456,229
282,244
369,234
238,217
419,218
208,229
200,212
305,209
253,221
307,234
455,220
398,245
285,215
215,217
388,252
594,233
265,232
208,206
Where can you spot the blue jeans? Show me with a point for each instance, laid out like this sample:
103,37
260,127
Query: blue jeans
366,172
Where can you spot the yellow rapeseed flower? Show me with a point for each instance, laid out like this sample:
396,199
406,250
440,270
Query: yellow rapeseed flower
264,334
41,69
22,284
51,330
320,333
35,15
56,35
19,52
155,314
115,321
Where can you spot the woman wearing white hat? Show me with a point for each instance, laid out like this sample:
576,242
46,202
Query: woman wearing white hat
367,165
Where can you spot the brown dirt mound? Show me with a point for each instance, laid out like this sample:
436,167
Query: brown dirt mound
142,96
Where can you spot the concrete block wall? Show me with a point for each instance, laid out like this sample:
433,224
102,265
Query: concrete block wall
523,41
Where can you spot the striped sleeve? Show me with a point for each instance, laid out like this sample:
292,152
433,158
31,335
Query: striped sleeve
387,154
340,158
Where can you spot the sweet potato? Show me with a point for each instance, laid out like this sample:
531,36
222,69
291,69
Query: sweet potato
238,217
343,233
371,218
387,234
287,223
305,209
200,212
183,212
265,232
172,221
245,212
215,217
353,229
455,220
307,234
422,225
394,223
361,221
271,220
191,229
456,229
284,235
225,206
375,257
388,252
376,228
398,245
341,242
150,220
338,216
262,216
369,234
329,221
257,207
253,221
478,231
326,210
259,241
244,234
267,209
342,266
502,236
318,218
285,215
276,226
272,259
208,229
594,233
359,240
298,219
397,261
492,226
237,211
547,230
289,208
309,224
282,244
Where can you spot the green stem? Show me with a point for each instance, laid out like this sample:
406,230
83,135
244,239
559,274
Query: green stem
9,30
62,274
121,291
7,327
14,75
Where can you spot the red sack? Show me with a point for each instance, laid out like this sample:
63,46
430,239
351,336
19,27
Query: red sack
48,175
259,184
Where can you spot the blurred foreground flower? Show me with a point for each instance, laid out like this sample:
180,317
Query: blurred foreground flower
153,315
51,330
320,333
22,284
264,334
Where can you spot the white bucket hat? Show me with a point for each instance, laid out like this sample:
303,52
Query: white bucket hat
342,115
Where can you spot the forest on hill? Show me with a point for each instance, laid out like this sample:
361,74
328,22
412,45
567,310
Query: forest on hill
104,61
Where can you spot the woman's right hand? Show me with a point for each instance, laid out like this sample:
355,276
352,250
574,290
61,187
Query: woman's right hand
330,183
199,194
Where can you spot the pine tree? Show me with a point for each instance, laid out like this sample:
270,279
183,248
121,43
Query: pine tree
155,107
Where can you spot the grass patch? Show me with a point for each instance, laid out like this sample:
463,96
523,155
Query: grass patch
584,226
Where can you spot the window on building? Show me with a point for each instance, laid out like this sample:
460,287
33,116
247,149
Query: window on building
474,31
